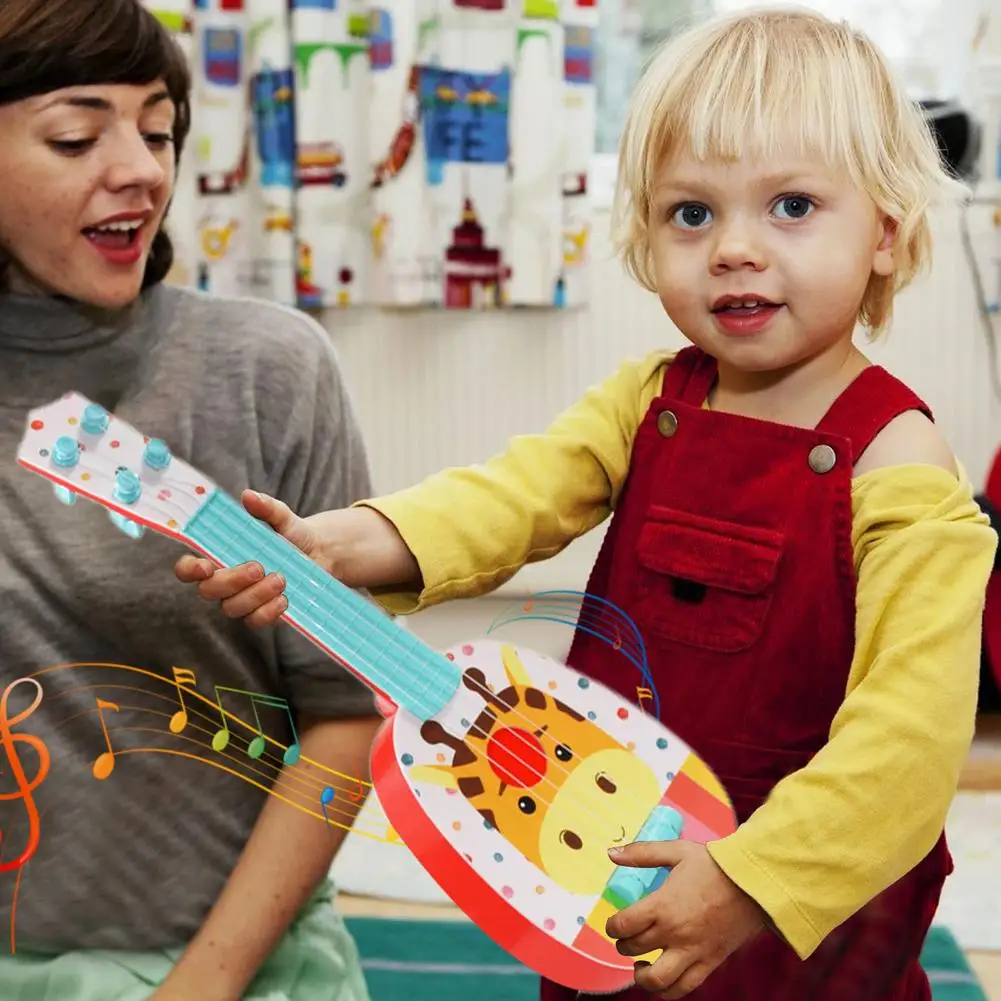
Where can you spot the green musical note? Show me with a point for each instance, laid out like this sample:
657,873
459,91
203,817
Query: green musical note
258,744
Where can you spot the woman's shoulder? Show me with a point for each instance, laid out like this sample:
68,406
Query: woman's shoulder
268,330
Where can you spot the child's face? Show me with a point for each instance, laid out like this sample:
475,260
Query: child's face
793,235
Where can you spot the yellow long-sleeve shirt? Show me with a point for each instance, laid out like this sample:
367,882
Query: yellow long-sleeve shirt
873,802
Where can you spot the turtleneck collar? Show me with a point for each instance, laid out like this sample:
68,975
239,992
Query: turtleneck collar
41,323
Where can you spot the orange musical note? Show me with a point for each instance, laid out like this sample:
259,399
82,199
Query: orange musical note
358,794
618,639
182,676
104,765
644,693
528,606
24,787
257,745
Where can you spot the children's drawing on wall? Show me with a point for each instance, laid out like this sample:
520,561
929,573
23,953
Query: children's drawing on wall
391,152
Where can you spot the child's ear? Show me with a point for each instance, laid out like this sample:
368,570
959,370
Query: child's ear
882,260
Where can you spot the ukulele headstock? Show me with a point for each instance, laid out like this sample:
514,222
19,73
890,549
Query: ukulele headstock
86,451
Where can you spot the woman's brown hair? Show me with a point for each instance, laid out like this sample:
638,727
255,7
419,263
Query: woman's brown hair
46,45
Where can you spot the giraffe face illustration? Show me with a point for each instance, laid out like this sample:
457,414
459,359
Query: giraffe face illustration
559,788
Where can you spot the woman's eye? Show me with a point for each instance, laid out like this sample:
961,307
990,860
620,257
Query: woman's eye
71,147
691,215
159,140
793,207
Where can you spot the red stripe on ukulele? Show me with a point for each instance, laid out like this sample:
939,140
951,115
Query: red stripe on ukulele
691,798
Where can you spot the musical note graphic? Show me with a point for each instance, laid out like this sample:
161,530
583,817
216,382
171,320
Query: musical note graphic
182,677
24,787
358,793
528,606
256,747
104,765
644,693
326,798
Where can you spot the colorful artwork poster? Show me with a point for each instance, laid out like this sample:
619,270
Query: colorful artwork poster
465,118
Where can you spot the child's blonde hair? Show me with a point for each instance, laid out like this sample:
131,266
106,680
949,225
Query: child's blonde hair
741,85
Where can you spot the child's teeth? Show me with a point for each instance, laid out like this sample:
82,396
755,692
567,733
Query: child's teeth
119,227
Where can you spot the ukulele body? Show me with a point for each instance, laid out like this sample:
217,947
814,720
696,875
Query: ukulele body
512,795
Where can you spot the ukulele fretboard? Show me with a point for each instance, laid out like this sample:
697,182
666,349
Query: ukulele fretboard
416,677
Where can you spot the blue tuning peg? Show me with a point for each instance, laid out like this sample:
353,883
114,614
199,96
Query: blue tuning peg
156,455
128,487
95,419
66,452
131,528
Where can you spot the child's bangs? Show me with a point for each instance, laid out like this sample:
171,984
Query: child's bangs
749,100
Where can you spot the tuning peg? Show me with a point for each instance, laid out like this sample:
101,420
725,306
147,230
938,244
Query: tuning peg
66,452
156,455
95,419
64,494
131,528
128,486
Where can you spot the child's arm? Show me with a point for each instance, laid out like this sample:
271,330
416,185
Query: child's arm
464,531
873,802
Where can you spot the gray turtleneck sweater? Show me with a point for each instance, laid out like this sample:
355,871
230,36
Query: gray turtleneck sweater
249,393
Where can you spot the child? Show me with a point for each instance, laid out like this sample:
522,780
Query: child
790,531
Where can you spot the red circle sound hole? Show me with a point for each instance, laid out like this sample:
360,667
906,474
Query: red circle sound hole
516,757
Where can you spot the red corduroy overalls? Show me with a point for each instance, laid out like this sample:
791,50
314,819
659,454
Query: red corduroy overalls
731,550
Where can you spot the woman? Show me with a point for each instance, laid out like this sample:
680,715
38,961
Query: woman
171,878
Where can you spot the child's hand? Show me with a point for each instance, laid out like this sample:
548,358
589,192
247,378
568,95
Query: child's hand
244,591
698,917
357,545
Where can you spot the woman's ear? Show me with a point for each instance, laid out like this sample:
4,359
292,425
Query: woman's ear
883,256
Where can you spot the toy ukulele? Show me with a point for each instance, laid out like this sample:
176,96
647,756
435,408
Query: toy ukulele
506,773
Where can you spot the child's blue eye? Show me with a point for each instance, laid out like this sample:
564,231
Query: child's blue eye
795,206
691,215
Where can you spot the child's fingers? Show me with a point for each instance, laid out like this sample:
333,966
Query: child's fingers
666,976
275,512
648,940
248,600
191,569
266,614
225,583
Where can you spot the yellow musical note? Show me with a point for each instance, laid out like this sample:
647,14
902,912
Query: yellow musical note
104,765
257,745
182,676
644,693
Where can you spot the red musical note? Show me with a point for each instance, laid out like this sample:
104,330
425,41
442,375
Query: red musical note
528,606
618,639
25,788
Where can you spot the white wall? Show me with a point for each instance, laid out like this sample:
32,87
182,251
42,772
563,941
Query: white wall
435,388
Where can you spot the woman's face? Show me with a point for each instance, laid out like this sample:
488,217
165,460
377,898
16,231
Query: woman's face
87,175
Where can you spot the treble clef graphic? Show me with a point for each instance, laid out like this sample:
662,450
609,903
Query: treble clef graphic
24,787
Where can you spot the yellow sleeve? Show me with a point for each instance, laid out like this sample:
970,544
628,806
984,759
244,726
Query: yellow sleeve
473,528
873,801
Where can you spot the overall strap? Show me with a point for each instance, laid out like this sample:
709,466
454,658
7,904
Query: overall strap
866,406
690,376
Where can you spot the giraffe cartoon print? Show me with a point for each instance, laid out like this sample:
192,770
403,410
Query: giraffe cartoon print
554,784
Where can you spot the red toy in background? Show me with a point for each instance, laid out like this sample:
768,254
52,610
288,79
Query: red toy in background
990,678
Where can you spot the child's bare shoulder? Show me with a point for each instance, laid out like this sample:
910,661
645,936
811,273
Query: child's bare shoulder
909,438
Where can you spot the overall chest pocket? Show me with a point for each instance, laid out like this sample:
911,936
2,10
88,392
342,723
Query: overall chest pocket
704,582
